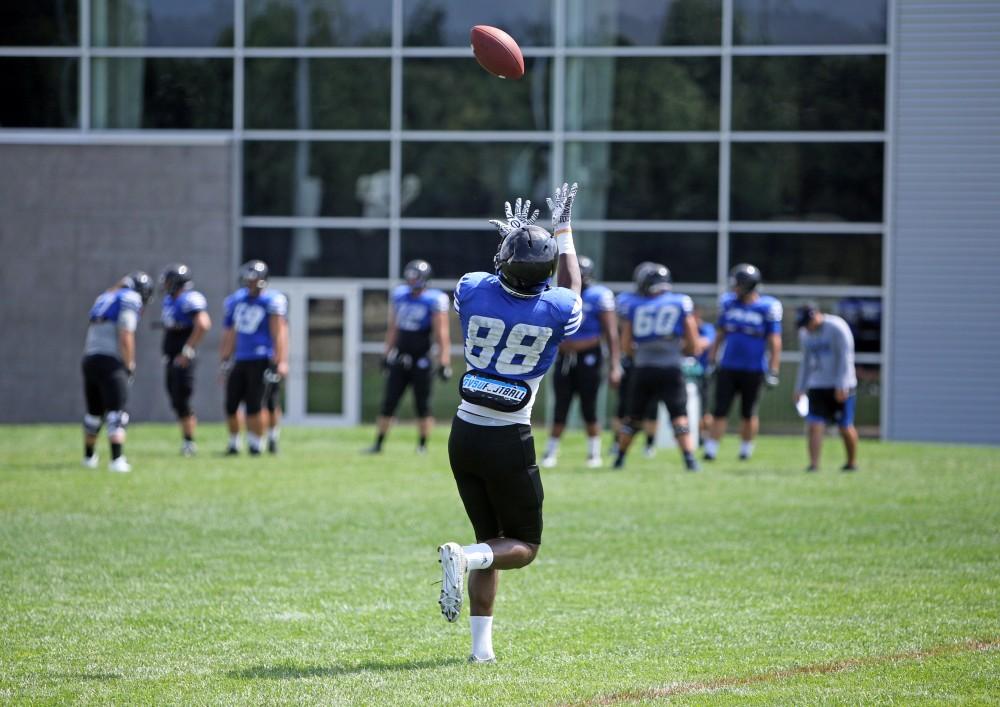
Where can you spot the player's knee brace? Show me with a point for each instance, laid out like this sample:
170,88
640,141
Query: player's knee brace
92,424
681,429
117,422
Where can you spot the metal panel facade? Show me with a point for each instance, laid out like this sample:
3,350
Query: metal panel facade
945,252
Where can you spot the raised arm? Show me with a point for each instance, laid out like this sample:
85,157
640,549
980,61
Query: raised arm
568,269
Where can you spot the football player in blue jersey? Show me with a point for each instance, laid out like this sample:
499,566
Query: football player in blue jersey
578,368
418,317
623,308
185,323
109,365
513,322
660,331
749,335
254,351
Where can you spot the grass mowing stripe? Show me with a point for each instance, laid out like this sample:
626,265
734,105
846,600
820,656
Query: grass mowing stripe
973,645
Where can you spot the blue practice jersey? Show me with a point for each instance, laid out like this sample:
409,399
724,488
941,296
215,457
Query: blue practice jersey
250,316
513,337
596,299
706,331
177,316
112,310
414,313
658,328
178,312
747,327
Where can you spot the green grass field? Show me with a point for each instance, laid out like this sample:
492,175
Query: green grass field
309,578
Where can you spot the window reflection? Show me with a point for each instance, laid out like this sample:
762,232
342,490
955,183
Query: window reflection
318,23
809,22
160,93
807,181
808,92
40,23
690,256
640,93
38,93
317,94
162,23
645,181
471,179
812,259
316,178
471,102
644,23
438,23
451,253
319,252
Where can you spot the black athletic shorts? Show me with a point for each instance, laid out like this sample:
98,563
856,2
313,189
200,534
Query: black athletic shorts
245,384
577,373
622,410
823,407
651,385
729,383
403,373
498,480
105,384
180,386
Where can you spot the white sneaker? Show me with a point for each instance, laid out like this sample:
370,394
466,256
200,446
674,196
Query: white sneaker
120,465
453,567
481,661
549,462
91,461
594,462
189,449
650,452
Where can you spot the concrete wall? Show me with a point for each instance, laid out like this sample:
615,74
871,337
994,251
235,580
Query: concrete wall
945,249
74,219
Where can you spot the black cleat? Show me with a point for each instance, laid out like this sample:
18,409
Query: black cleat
619,463
744,457
692,465
849,467
372,450
232,451
272,446
811,469
707,457
254,451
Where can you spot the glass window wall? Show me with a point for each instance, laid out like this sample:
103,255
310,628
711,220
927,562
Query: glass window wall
39,92
161,23
318,23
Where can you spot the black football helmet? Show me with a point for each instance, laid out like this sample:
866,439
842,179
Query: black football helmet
526,260
586,271
641,270
140,282
744,278
174,277
417,273
253,273
656,280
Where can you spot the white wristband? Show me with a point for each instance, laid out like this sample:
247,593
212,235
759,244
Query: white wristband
564,240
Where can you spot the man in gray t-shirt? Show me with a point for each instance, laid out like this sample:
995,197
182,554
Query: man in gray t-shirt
827,376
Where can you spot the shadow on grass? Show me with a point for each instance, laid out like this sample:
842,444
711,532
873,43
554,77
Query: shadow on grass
287,671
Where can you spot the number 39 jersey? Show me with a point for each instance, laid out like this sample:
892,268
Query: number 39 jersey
512,337
250,316
658,328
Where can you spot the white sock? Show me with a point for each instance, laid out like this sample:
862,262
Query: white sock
479,556
711,447
482,637
253,441
234,440
594,446
552,448
275,433
746,449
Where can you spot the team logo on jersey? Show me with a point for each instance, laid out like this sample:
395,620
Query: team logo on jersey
494,392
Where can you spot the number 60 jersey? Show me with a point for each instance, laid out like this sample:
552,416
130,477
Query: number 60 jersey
512,338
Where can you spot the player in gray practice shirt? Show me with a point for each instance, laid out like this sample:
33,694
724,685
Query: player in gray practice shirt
827,376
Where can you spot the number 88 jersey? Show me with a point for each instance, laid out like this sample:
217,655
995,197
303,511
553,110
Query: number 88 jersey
511,336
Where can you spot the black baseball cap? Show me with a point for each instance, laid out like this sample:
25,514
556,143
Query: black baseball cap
804,313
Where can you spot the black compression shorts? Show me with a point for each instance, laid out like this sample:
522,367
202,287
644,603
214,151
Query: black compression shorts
105,384
746,384
245,384
577,373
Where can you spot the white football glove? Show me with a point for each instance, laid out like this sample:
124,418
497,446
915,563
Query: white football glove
518,217
561,206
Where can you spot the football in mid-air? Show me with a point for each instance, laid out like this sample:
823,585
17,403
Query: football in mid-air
497,52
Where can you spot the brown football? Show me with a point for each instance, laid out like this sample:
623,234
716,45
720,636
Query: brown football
497,52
